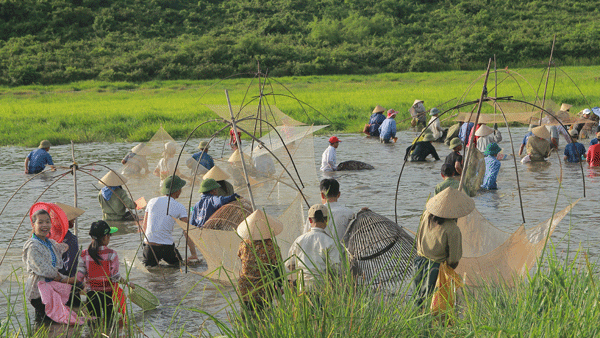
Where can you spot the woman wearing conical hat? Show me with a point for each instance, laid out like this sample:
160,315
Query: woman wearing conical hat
377,118
258,253
226,189
135,161
114,200
486,136
439,239
538,147
418,113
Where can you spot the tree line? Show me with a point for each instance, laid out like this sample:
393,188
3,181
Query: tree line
61,41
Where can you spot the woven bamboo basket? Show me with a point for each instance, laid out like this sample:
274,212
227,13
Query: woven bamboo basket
143,298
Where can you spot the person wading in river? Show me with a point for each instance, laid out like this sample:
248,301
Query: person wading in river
37,159
538,147
439,239
114,200
329,157
422,149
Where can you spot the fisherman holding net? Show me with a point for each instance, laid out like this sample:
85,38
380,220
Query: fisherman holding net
329,157
418,113
538,147
114,200
135,161
37,159
439,238
209,202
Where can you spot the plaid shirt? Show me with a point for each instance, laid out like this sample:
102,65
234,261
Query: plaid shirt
99,277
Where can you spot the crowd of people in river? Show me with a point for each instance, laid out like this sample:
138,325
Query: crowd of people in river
52,265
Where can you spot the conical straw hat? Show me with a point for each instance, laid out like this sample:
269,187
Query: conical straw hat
259,225
565,106
112,179
450,203
417,101
72,212
236,157
484,130
216,174
378,109
141,149
541,132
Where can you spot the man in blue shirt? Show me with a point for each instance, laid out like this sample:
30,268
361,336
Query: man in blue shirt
202,156
37,159
387,130
574,150
209,202
465,131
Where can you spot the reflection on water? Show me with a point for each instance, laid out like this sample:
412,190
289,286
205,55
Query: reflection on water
372,188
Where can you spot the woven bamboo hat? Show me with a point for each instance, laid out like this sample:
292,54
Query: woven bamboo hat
428,137
484,130
71,212
565,107
216,174
236,157
450,203
44,144
259,225
112,179
541,132
378,109
141,149
417,101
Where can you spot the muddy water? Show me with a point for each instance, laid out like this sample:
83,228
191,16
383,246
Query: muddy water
374,189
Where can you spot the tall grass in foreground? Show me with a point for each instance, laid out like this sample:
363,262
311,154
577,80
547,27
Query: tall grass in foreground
559,300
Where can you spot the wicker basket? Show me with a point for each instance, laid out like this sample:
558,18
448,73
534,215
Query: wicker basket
143,298
229,216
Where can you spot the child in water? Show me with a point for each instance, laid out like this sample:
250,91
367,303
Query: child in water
99,268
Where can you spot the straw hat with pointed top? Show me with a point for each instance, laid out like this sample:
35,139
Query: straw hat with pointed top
541,132
71,212
378,109
417,101
236,157
216,174
112,179
450,203
141,149
565,107
484,130
259,226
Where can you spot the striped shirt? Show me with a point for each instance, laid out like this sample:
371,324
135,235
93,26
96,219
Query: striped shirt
99,277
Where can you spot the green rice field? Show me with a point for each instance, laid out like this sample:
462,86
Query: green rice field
109,111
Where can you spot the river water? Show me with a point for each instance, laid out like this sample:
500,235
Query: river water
375,189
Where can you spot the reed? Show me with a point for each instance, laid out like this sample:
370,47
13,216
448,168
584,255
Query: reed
108,112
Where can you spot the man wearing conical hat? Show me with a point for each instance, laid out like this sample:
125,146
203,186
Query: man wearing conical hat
314,253
538,147
377,118
37,159
418,113
135,161
114,200
209,202
439,239
487,135
419,151
526,138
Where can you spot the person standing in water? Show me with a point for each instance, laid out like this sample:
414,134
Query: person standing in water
329,158
387,129
114,200
538,147
37,159
377,118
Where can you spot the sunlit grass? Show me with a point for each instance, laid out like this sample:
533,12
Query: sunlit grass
102,111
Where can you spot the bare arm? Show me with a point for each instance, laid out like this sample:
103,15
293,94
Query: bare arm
521,149
27,165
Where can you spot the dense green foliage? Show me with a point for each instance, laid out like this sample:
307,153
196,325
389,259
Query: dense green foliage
61,41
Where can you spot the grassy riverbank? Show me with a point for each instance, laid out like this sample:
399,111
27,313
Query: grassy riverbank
109,111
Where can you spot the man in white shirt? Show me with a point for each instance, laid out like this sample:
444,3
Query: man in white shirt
340,215
315,252
435,125
328,159
158,225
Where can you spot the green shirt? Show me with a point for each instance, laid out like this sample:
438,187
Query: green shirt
115,208
452,182
439,242
538,148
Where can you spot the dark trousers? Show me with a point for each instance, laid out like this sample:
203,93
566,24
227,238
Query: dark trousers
40,309
426,274
100,304
154,253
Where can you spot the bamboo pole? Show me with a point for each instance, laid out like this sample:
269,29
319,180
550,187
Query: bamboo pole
239,143
472,137
547,79
74,170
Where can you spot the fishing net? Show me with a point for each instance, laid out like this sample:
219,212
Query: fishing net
492,255
270,113
475,171
380,250
229,216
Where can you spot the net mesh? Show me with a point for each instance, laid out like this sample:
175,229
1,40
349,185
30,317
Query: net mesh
229,216
380,250
492,255
268,112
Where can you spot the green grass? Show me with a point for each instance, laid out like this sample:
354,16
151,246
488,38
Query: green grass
109,112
